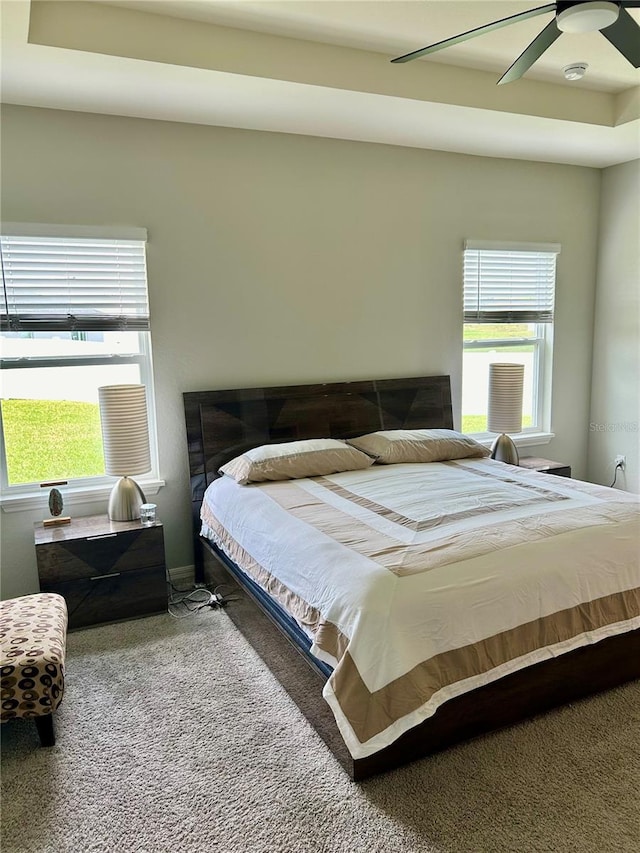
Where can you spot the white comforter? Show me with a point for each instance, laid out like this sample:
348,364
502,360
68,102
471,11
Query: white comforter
421,582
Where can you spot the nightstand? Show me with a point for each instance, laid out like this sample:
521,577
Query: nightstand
106,570
545,466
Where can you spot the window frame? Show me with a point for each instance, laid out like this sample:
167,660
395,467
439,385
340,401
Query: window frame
25,496
542,341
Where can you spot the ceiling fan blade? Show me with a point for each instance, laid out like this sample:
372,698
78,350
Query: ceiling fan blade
624,35
487,28
535,50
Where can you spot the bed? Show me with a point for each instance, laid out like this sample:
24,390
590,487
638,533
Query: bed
393,653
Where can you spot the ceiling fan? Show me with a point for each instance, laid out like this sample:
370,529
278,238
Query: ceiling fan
612,19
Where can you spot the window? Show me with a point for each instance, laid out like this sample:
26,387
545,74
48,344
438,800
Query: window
74,316
509,292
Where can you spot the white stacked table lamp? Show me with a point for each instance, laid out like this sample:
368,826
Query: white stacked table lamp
506,382
125,439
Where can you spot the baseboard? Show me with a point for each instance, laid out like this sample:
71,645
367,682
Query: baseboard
182,576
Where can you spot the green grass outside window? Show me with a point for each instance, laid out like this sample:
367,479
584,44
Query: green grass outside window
478,423
51,440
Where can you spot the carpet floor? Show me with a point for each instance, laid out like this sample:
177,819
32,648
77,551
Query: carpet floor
173,736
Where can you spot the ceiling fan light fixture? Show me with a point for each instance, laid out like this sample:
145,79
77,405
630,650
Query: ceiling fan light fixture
570,16
588,17
575,71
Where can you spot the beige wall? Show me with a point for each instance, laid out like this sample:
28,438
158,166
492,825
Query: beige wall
276,258
615,402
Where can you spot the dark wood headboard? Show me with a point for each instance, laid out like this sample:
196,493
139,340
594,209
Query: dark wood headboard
223,424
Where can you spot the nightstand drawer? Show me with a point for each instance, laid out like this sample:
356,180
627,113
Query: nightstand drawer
100,554
112,596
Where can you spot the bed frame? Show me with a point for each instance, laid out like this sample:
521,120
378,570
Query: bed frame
222,424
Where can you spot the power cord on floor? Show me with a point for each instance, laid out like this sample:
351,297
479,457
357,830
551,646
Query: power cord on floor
227,596
189,601
177,588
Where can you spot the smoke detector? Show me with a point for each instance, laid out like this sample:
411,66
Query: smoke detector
575,71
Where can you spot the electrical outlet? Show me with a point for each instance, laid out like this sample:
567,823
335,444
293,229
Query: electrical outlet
620,461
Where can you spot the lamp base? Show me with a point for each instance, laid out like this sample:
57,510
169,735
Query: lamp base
504,450
125,500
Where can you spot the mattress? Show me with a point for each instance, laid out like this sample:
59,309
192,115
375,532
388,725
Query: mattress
420,582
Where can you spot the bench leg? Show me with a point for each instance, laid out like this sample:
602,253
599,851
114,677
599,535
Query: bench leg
44,726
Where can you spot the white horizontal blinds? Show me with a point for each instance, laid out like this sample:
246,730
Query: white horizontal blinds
68,283
505,285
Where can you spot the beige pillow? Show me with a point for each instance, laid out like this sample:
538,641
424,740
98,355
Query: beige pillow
314,457
418,445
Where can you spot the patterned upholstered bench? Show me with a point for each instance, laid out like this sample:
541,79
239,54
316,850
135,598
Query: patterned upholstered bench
33,635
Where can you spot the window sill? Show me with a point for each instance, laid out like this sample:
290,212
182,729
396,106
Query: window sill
527,439
72,497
